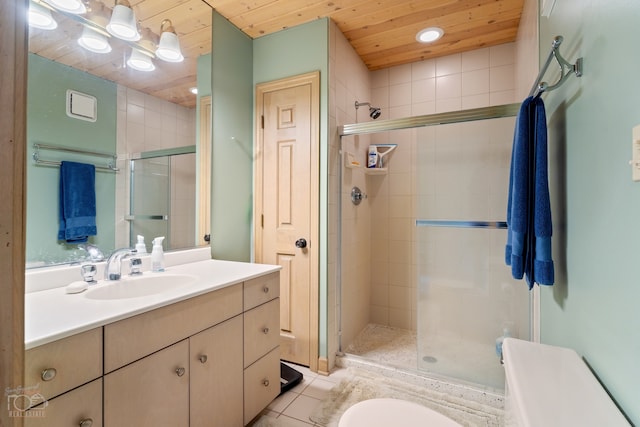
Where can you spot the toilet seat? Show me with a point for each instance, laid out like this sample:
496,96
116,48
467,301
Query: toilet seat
385,412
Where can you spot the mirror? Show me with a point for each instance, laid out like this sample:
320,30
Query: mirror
84,107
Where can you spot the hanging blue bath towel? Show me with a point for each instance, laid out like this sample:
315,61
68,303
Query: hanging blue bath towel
528,249
77,202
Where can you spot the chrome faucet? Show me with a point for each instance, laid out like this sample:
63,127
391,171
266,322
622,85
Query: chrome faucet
113,270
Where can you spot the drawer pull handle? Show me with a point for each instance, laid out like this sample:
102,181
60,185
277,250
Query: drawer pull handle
265,330
180,371
265,289
265,382
48,374
203,358
87,422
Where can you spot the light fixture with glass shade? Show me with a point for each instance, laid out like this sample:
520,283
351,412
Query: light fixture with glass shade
123,22
429,35
76,7
169,46
40,17
140,61
93,41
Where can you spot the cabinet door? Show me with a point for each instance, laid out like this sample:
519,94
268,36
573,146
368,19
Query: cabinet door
154,391
82,405
216,376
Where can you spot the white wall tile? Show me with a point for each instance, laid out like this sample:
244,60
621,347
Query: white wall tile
446,65
400,95
400,74
475,82
503,54
423,70
502,78
449,86
475,60
423,90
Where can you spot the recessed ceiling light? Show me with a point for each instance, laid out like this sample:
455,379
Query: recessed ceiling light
429,35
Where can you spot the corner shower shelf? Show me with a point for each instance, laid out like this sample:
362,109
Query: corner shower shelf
375,171
351,163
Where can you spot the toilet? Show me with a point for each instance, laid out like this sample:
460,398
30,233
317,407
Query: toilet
553,387
385,412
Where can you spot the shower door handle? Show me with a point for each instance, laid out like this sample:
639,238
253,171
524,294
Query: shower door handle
301,243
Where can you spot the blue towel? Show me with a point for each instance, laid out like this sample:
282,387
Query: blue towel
528,249
77,202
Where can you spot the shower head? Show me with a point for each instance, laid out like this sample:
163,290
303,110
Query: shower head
374,112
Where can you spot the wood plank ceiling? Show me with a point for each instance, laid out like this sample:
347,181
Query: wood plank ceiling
382,32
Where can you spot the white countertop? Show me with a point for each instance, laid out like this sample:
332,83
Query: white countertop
52,314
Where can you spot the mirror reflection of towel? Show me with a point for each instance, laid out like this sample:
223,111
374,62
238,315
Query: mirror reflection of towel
77,202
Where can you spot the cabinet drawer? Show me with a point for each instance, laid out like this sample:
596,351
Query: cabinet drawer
64,364
261,384
261,330
133,338
70,409
261,289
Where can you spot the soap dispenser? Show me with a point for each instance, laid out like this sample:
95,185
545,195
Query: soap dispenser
157,255
141,248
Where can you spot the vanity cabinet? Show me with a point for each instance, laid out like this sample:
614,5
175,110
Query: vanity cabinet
210,360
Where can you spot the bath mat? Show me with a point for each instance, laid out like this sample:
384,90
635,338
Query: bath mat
362,385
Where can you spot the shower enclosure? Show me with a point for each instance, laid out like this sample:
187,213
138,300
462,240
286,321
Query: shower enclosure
163,197
422,280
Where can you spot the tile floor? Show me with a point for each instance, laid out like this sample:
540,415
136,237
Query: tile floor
296,405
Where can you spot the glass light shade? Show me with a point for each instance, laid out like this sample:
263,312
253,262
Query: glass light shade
70,6
139,61
40,17
123,23
429,35
169,48
94,41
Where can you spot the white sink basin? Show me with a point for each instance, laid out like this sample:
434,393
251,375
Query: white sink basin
141,286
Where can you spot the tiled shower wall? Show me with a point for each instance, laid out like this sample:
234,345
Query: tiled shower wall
147,123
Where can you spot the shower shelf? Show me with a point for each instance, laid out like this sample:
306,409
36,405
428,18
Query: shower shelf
351,163
375,171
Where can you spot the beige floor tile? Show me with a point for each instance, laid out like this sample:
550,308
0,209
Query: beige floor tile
301,408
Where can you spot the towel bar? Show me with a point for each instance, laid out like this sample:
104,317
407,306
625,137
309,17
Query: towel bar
111,166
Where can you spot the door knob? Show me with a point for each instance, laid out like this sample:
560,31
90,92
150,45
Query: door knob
301,243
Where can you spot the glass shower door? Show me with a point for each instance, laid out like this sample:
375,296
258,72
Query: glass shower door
150,205
465,294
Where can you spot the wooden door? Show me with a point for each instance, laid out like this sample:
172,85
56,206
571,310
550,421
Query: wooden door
286,214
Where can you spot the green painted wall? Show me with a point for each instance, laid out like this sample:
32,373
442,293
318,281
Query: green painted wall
288,53
47,122
232,165
593,307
